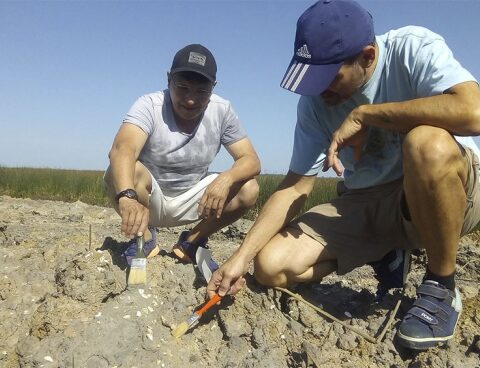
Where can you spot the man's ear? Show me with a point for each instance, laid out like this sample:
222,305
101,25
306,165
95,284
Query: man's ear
368,56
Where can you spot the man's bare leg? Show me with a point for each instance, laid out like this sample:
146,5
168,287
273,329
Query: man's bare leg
243,197
435,174
292,257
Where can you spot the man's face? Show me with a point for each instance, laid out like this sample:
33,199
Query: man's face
348,80
190,96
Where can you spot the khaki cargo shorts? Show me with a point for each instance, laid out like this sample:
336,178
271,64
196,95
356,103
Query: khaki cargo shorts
362,225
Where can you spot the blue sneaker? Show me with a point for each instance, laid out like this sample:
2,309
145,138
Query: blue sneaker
150,249
198,254
432,318
391,271
186,251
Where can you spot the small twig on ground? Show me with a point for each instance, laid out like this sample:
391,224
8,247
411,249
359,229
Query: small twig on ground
329,316
389,322
347,326
90,237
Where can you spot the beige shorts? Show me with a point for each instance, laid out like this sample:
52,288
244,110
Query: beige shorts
175,211
363,225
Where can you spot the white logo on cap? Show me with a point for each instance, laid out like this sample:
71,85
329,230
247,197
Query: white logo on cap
197,58
303,52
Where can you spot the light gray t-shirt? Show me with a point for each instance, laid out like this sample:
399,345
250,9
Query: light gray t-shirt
413,62
178,160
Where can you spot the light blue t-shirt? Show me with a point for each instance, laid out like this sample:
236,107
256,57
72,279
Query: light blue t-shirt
413,62
178,160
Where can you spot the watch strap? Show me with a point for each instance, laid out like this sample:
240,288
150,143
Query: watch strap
129,193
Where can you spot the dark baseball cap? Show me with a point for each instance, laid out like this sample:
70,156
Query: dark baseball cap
328,33
195,58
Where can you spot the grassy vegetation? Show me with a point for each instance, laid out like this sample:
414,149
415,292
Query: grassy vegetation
87,186
54,184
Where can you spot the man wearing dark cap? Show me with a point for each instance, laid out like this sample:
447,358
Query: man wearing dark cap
384,111
158,173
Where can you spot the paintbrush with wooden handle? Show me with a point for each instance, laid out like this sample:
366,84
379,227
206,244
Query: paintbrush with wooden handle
138,269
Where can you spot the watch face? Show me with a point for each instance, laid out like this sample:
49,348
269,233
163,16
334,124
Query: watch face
130,194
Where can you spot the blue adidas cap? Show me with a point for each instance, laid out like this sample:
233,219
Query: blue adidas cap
328,33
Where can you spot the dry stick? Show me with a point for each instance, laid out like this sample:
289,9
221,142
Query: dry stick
395,310
90,237
390,321
329,316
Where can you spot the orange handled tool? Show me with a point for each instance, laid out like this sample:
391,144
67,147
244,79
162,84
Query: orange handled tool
193,319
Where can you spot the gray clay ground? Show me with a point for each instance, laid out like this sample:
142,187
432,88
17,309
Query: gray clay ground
65,305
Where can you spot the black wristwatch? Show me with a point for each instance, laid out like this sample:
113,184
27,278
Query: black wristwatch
129,193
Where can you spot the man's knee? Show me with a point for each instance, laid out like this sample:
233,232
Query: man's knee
248,193
267,272
429,148
264,276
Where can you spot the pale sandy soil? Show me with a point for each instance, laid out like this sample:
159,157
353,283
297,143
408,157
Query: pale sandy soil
64,303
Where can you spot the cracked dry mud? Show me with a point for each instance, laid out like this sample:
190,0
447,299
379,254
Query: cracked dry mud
64,303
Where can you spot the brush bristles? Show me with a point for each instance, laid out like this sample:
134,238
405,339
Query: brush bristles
180,330
137,276
138,272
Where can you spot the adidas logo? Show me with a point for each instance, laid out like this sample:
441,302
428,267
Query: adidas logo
303,52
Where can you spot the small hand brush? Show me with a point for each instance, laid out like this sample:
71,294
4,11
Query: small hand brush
138,269
193,319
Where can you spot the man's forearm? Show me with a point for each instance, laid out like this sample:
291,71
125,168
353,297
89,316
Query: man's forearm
456,113
281,207
122,163
245,168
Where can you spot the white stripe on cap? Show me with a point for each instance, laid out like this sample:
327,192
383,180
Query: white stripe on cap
284,81
292,76
300,77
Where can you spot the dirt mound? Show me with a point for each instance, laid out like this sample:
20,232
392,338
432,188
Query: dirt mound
64,303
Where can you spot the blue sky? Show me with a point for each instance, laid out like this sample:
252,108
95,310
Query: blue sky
70,70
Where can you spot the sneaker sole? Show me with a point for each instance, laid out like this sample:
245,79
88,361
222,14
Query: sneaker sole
418,343
180,254
153,252
421,344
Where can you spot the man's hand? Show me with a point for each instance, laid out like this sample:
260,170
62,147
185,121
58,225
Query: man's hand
134,217
351,133
215,196
228,279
